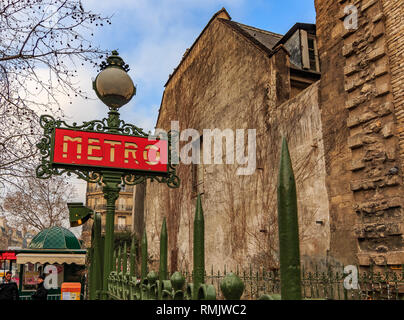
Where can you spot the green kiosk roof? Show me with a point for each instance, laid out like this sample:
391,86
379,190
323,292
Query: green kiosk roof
55,238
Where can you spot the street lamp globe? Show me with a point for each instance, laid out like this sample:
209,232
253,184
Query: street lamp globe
113,85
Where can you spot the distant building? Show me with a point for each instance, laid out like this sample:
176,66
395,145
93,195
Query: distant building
11,238
123,210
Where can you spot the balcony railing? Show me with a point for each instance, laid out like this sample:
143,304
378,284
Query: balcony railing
117,208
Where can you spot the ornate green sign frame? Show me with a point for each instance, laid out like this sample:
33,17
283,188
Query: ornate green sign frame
112,124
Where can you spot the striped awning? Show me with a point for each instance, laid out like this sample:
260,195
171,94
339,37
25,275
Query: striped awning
51,258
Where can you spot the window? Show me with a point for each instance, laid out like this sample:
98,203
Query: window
312,53
309,51
121,222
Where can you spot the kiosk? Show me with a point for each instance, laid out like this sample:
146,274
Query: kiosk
56,246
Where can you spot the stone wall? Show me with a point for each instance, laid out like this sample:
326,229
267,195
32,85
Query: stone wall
393,13
345,134
332,98
364,182
300,121
228,82
210,90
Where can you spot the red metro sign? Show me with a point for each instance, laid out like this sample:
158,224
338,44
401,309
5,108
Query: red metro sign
109,151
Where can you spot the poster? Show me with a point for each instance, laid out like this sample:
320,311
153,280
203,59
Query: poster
31,277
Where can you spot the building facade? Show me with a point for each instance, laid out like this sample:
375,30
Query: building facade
12,238
240,77
123,210
334,90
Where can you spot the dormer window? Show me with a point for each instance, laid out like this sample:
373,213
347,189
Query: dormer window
309,51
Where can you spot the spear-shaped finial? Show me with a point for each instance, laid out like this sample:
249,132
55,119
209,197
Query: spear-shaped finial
289,253
133,257
199,248
144,270
163,252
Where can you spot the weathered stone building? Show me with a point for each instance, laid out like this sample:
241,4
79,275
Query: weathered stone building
361,101
345,134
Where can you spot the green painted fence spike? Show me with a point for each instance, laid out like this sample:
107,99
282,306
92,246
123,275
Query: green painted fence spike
177,281
232,287
133,257
114,261
163,274
97,258
288,229
119,260
144,271
125,259
199,248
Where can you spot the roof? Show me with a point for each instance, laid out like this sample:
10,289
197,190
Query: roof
55,238
221,13
269,42
309,27
267,38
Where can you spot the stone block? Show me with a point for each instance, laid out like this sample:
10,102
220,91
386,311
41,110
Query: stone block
395,202
388,129
375,126
382,89
352,121
379,260
382,109
367,88
352,103
347,50
367,116
347,32
393,180
378,30
377,53
350,69
367,4
357,165
364,259
378,17
355,141
381,70
391,153
368,139
350,85
395,257
357,185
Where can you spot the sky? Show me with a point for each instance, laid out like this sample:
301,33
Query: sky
152,36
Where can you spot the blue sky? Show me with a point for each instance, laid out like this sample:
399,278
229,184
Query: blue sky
152,35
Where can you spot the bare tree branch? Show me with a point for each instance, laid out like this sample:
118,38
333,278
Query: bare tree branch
38,36
38,204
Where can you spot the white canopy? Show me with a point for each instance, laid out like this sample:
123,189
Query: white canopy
42,258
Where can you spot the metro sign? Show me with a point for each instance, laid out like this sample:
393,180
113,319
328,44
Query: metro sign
92,150
10,255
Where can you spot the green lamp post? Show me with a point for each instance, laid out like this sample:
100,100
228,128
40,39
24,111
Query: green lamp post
115,88
89,151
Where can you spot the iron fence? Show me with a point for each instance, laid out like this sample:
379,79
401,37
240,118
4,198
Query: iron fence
327,285
332,283
387,285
